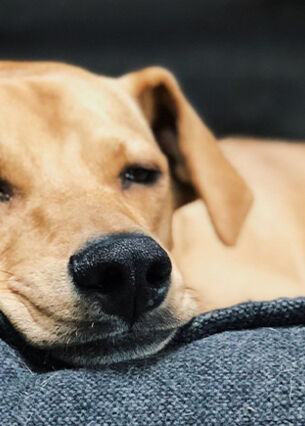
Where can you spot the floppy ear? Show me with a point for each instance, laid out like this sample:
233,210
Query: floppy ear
192,149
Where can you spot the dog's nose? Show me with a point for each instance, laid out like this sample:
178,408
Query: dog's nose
129,273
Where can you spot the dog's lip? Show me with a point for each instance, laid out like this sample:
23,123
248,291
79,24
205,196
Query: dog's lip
134,333
122,347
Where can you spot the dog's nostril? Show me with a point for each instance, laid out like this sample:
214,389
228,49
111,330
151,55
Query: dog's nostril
106,278
101,277
158,272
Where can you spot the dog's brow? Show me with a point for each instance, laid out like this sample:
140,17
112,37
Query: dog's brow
13,171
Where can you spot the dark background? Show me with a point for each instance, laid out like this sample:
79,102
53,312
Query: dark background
241,62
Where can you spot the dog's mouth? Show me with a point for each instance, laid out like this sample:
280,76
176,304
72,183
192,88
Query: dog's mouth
91,347
111,340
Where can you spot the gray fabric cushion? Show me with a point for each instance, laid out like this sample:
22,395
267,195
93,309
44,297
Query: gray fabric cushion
238,366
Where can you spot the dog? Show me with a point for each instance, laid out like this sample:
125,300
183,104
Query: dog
122,217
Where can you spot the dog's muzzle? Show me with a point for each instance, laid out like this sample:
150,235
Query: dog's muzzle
128,273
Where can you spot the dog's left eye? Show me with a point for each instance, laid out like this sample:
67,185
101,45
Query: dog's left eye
6,191
140,175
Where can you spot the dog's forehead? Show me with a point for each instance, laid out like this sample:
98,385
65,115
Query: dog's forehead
63,102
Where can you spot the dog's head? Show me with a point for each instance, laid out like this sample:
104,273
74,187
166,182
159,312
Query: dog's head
91,169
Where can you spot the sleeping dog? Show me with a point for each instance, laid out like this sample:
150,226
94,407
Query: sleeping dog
122,217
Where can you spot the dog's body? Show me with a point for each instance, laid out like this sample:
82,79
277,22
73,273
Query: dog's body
268,259
89,266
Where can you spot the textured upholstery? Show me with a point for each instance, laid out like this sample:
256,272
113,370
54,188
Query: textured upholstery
239,366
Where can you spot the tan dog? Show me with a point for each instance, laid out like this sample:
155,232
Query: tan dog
92,170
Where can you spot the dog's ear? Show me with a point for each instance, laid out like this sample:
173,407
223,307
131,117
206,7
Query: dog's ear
193,152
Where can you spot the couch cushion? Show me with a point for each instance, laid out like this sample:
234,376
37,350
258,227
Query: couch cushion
238,366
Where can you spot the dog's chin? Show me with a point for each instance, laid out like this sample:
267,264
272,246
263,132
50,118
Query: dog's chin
125,346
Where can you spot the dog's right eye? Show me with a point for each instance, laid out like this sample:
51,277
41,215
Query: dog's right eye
140,175
6,191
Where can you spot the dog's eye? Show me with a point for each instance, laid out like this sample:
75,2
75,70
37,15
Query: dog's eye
6,191
140,175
